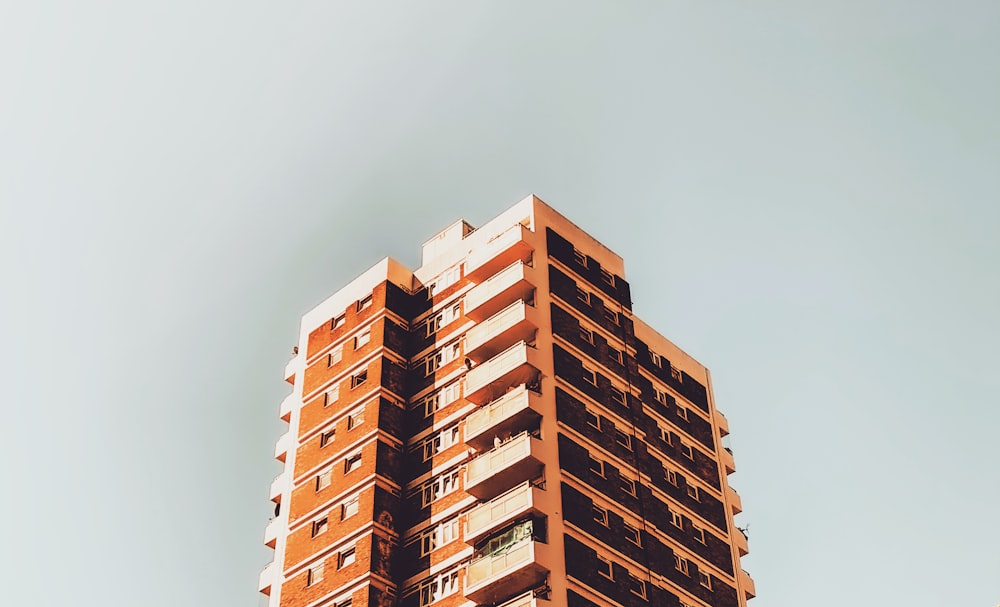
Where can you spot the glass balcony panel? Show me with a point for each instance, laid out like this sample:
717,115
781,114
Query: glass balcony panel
499,252
512,413
487,381
519,567
502,467
517,322
514,282
499,511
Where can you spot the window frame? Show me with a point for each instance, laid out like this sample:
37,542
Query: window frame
347,557
326,437
352,462
600,515
365,302
359,379
629,531
320,526
606,572
627,485
346,507
363,339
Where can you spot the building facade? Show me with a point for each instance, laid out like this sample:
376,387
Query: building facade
497,428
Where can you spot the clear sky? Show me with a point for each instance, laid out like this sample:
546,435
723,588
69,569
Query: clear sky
806,196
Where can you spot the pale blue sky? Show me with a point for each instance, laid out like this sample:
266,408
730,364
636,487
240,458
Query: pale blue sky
806,196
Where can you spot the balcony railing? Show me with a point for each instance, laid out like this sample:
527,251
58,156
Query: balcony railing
726,455
515,569
485,518
510,284
517,322
723,423
517,364
512,413
278,486
271,532
265,579
740,539
501,250
285,408
525,600
734,500
502,467
282,446
746,582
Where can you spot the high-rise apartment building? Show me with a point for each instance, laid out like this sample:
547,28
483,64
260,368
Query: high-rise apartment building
497,428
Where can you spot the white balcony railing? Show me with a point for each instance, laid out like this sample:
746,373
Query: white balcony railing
502,467
499,511
512,283
517,322
282,446
516,568
517,364
510,414
265,579
500,251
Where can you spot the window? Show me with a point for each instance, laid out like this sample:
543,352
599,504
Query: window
587,335
323,480
627,485
314,574
694,493
687,450
601,515
699,533
681,564
439,442
441,535
637,586
616,355
675,373
676,519
656,359
579,258
445,280
583,296
671,476
607,277
705,580
352,463
665,435
589,376
349,508
659,395
331,395
364,303
445,355
359,378
362,340
431,404
604,568
327,437
617,395
438,587
338,322
597,467
592,419
355,418
682,413
439,487
319,526
623,439
611,315
346,557
334,357
632,534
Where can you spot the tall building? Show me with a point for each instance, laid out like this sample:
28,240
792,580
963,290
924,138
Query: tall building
496,428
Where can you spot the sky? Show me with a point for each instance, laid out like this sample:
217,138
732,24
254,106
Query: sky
806,196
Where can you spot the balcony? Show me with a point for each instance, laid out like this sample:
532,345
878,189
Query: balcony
525,600
502,467
278,486
517,322
517,364
271,532
502,250
734,500
291,368
723,423
516,568
485,518
726,455
512,413
740,539
282,446
746,583
265,579
514,282
285,409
